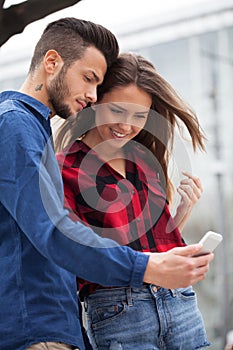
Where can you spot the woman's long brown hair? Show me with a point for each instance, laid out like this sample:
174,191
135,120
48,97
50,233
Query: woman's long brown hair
168,110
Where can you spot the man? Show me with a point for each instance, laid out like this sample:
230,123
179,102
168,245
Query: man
41,249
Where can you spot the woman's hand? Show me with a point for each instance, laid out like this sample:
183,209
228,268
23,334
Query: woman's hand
190,191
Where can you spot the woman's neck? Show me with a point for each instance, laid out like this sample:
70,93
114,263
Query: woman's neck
114,156
104,148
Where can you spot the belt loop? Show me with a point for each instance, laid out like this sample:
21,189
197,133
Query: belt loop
173,292
85,304
129,296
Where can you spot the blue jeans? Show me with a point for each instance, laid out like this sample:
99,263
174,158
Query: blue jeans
145,319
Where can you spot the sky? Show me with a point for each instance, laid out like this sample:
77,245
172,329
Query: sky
113,14
115,11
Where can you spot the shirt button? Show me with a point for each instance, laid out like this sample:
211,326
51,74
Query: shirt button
138,219
144,247
133,192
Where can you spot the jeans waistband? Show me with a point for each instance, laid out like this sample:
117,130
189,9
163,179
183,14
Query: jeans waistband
126,294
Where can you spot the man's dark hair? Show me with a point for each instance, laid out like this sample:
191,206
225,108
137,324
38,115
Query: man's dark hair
70,37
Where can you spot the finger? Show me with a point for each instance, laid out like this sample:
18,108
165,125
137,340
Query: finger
188,196
195,178
188,190
185,201
192,193
191,176
205,258
197,278
193,186
191,183
188,250
199,273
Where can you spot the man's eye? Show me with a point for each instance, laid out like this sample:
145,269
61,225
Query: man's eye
87,78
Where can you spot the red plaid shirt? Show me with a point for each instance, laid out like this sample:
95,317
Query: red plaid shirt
132,211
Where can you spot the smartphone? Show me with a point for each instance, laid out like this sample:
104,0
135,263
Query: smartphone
209,241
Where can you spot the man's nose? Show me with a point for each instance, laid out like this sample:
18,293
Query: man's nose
91,95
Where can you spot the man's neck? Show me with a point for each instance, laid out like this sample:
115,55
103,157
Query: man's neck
36,89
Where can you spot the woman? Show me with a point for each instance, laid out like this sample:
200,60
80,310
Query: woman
116,180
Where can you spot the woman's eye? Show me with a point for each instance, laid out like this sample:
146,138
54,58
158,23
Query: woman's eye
141,116
116,111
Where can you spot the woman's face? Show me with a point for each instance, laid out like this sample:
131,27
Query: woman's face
121,115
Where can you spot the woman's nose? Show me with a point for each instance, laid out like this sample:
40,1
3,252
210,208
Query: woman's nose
124,126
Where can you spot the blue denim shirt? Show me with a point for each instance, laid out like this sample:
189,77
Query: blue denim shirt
41,249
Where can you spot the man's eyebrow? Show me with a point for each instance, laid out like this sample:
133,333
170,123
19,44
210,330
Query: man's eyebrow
97,79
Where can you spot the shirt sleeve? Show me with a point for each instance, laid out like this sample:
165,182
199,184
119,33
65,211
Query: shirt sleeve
30,195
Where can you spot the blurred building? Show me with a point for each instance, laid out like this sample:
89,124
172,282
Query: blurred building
193,49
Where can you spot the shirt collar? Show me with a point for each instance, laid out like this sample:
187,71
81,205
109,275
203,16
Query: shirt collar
28,100
76,146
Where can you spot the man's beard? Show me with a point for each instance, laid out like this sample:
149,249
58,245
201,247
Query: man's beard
57,90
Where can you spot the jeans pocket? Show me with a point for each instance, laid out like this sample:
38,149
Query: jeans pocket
187,293
105,313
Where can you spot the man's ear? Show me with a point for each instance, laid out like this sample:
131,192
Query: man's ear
52,61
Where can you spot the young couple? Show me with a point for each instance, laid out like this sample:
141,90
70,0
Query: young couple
42,250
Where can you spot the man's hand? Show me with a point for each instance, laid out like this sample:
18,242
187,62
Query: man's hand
177,268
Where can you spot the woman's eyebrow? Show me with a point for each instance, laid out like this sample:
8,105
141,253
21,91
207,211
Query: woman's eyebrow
125,109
